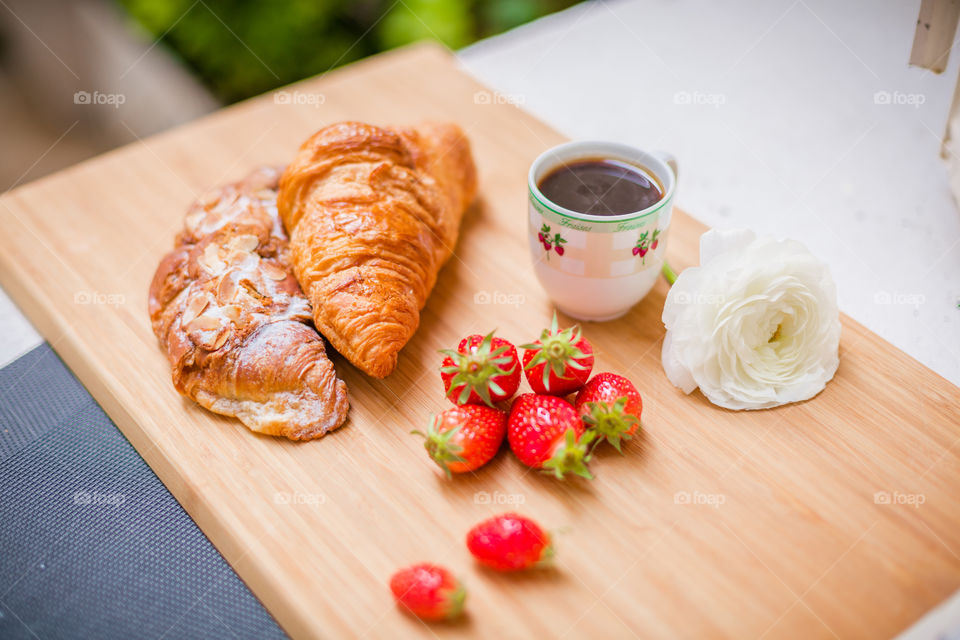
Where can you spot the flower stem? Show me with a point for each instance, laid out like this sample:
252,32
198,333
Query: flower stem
668,273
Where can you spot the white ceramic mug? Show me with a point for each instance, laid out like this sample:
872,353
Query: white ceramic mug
604,264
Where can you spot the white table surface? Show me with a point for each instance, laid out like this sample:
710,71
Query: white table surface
781,134
773,110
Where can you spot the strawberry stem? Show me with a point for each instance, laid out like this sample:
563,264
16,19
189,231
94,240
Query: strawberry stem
457,600
556,350
610,422
547,555
439,447
476,370
571,456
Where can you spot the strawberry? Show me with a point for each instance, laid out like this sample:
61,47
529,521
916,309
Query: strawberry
610,405
465,438
643,244
545,432
428,591
559,362
547,245
656,239
483,369
510,542
558,241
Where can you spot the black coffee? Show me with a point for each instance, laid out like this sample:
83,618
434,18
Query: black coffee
601,187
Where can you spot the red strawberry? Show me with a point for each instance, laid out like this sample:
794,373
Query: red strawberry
465,438
540,236
510,542
636,251
559,362
559,250
483,369
545,432
654,245
547,246
642,251
428,591
610,405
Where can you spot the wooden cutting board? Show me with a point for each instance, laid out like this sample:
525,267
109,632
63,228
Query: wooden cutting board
714,523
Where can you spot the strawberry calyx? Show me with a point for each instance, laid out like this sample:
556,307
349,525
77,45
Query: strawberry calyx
556,350
546,557
439,446
456,600
477,369
611,422
571,456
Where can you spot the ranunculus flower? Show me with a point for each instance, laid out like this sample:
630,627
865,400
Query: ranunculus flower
756,325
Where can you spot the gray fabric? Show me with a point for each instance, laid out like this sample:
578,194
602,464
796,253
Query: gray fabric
92,545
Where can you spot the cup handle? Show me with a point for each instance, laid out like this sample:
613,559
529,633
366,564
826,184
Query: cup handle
668,273
671,161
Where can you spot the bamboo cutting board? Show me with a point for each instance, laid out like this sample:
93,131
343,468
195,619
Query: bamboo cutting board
714,523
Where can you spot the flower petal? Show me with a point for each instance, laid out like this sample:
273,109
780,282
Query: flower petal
717,241
678,374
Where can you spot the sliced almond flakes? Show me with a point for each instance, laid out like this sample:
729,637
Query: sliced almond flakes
194,307
273,272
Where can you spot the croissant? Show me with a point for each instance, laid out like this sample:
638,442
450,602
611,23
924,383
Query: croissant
373,213
234,323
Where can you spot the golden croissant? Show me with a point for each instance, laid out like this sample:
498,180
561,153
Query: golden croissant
373,213
234,323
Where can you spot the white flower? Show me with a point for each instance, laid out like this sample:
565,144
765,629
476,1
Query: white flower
756,325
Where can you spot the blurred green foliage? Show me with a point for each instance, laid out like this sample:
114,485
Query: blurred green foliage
242,48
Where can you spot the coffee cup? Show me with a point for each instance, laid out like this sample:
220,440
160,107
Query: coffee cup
597,265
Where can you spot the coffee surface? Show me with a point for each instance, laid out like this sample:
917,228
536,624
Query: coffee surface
601,187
